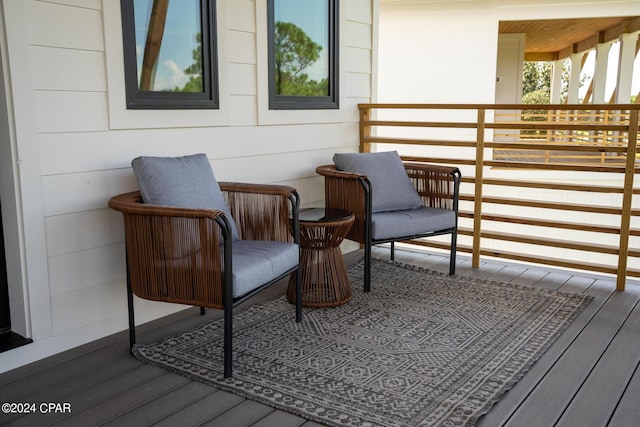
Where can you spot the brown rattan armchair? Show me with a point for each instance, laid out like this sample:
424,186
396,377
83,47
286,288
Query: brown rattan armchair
187,256
437,186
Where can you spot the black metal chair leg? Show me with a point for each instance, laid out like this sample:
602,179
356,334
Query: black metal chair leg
228,341
452,256
393,250
202,311
132,322
227,299
367,268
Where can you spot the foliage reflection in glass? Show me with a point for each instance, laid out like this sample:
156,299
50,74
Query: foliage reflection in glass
301,41
303,54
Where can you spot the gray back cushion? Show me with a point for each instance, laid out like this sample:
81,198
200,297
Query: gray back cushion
185,182
390,186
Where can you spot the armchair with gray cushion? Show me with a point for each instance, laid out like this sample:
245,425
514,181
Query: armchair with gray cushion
393,200
191,240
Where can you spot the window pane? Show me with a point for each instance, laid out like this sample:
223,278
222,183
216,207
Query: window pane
170,54
301,47
168,38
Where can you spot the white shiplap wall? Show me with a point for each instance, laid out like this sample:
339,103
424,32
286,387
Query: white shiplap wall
75,141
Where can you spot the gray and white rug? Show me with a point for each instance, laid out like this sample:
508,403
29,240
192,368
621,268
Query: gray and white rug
419,349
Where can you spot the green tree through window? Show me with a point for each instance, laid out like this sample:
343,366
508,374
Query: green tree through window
295,52
303,54
194,71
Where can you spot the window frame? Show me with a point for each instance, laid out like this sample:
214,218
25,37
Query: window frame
288,102
150,100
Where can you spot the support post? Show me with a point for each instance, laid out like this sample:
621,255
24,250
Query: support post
365,130
625,67
477,198
627,195
600,72
556,81
574,79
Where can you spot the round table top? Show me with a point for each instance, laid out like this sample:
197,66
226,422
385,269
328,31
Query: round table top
323,215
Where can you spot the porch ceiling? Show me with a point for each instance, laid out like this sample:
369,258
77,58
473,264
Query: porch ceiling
552,39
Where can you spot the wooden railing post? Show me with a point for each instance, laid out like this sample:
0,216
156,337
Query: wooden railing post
365,130
477,196
627,196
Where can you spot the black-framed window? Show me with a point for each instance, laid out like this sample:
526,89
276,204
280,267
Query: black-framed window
303,54
170,55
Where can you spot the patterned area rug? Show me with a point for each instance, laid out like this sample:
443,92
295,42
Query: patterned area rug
419,349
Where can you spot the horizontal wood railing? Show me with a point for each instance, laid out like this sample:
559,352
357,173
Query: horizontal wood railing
577,151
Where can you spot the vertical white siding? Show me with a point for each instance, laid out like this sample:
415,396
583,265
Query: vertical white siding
68,56
426,52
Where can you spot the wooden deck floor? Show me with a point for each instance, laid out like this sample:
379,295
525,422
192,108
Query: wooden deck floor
589,377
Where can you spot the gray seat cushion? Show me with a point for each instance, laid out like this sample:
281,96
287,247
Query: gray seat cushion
186,182
257,262
411,222
390,186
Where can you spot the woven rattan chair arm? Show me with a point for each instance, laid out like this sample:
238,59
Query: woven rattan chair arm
437,185
330,171
427,167
348,191
164,243
268,189
261,211
131,203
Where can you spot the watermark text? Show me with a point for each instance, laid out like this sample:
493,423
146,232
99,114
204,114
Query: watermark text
36,408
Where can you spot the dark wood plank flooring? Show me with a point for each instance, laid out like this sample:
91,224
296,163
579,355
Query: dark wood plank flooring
589,377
